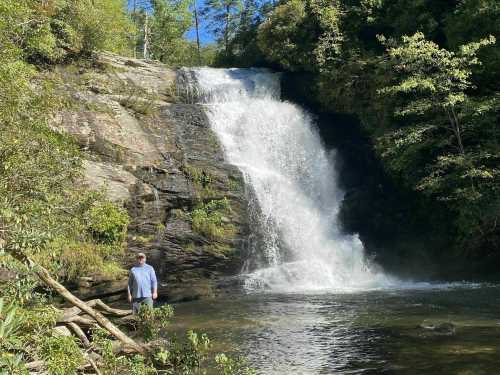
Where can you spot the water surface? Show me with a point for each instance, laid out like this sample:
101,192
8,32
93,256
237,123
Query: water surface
423,331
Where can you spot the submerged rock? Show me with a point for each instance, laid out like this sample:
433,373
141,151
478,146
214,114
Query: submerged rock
443,328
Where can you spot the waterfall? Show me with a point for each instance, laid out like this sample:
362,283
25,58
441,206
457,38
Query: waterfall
292,176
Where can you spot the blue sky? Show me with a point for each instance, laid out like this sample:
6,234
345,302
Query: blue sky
205,36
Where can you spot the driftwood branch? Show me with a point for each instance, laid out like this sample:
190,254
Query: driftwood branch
93,364
82,320
96,303
80,334
106,309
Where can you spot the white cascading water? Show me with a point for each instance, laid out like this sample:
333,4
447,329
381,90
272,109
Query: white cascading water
292,176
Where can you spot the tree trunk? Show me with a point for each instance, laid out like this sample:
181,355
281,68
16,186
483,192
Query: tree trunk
455,128
226,32
146,37
135,21
80,334
197,26
458,131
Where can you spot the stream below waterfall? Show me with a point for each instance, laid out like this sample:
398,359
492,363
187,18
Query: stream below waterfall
445,330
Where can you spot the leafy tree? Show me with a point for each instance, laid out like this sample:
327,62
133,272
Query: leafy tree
286,38
171,20
243,45
55,29
475,20
435,78
432,88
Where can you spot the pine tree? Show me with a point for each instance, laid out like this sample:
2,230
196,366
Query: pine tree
223,16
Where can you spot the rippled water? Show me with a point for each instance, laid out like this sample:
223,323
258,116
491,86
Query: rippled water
454,330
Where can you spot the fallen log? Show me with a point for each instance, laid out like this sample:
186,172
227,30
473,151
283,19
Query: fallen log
70,312
108,310
82,320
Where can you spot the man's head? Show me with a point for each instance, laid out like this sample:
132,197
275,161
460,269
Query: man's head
141,258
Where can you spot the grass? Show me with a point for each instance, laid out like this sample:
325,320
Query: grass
202,181
207,219
138,100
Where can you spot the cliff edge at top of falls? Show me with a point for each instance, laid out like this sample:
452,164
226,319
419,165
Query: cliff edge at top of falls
159,158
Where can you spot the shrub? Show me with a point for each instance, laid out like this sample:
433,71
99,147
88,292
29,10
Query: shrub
10,324
152,321
112,363
61,354
231,366
207,219
202,181
107,223
73,259
185,357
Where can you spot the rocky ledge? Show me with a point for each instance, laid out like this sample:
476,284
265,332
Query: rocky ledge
159,158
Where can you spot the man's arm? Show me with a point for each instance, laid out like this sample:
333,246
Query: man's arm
130,286
154,283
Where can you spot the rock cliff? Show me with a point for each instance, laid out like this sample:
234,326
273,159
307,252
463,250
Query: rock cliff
159,158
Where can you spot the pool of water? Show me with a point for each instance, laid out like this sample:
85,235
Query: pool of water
453,330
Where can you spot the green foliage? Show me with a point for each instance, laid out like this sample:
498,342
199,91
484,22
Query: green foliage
476,20
168,22
103,24
207,219
41,205
11,364
153,321
76,259
434,77
10,325
118,364
202,181
107,223
187,357
283,36
244,50
171,21
432,87
26,333
22,286
61,354
329,45
230,366
56,29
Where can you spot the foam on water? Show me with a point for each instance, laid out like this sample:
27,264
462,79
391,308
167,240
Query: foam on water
300,246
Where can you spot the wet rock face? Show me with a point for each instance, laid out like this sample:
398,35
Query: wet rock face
160,159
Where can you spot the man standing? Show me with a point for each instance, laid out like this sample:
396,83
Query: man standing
142,284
